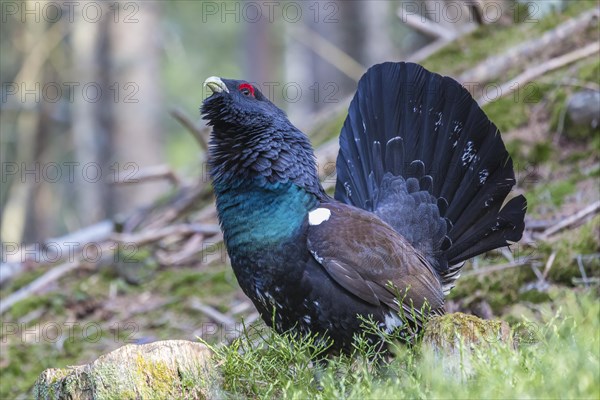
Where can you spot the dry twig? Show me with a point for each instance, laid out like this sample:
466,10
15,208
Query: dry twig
155,172
496,66
499,267
426,26
328,51
199,134
541,69
41,282
573,220
211,312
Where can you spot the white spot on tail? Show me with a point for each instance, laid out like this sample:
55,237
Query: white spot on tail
316,256
392,321
348,189
483,174
318,216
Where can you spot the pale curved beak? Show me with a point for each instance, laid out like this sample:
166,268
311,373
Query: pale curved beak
215,84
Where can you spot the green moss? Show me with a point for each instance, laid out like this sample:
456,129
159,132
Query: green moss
48,384
500,289
32,303
35,349
579,133
507,113
516,149
452,330
328,129
577,156
23,279
581,241
193,282
590,71
541,153
156,379
560,190
472,49
491,40
551,194
572,9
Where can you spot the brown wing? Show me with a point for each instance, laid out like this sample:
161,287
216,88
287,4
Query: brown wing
364,255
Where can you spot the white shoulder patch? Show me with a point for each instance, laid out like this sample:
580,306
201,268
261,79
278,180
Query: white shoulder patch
318,216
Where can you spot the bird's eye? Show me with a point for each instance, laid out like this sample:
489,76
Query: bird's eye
246,89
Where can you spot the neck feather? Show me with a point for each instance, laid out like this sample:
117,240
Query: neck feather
271,156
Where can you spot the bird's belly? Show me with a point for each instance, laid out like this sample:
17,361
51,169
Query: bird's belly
312,304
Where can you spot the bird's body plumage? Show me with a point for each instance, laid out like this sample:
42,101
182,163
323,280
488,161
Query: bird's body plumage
422,176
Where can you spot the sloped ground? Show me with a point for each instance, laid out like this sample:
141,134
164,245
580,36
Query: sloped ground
551,282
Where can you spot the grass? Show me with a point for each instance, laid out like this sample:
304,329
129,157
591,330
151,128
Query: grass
562,361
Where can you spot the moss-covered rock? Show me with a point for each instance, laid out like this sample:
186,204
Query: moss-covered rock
451,331
455,338
159,370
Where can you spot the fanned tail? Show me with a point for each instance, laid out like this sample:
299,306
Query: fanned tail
417,150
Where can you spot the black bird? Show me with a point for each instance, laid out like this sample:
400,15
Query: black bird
422,175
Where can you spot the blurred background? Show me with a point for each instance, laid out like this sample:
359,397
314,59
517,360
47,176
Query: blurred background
106,210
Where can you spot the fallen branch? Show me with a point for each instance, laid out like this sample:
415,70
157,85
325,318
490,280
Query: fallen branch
537,225
539,70
150,236
428,50
212,313
574,219
187,254
152,173
183,202
18,258
425,25
328,51
199,134
499,267
38,284
549,264
496,66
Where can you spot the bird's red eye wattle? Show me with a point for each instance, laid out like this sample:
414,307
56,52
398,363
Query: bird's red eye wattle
246,89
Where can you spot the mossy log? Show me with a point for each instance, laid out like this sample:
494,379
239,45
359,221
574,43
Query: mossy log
451,331
183,369
159,370
454,339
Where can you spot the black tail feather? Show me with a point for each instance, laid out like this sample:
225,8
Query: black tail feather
417,150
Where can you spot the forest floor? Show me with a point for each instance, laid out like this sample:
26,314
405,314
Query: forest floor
550,282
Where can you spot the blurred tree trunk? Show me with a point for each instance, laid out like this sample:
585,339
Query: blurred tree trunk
298,60
136,99
19,205
91,119
377,17
38,224
120,133
258,55
348,37
320,80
